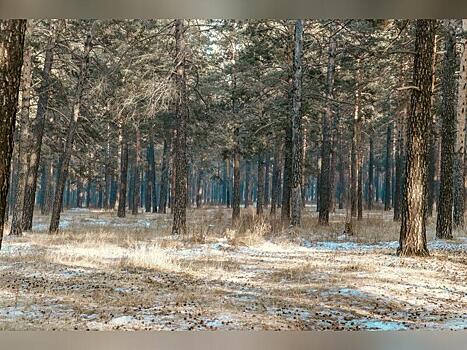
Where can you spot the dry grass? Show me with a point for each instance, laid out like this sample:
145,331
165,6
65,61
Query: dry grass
102,272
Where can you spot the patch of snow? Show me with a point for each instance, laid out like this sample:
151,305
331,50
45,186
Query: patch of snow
381,325
122,321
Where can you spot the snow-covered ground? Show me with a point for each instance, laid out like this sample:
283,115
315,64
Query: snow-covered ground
107,280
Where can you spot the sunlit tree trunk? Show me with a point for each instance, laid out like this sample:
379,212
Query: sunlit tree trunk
413,222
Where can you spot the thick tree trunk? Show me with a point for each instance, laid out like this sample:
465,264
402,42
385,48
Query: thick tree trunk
11,60
181,115
460,175
17,219
297,129
66,154
413,224
38,132
448,135
325,186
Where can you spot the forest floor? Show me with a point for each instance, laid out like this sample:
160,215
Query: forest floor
103,273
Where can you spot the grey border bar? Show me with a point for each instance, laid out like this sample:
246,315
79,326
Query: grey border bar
233,9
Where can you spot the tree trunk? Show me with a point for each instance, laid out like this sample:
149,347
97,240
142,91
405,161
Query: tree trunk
297,132
181,115
355,150
413,224
17,219
276,175
236,182
164,178
66,154
370,174
137,175
11,60
121,210
325,186
448,135
260,191
388,170
38,132
459,166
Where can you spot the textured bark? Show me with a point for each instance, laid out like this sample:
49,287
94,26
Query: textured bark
413,222
17,218
181,116
460,175
11,60
297,128
388,170
66,153
448,134
432,157
123,179
38,132
325,185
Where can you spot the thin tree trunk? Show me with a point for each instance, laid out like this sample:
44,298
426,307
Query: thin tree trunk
137,179
387,170
121,210
297,132
260,191
38,132
66,154
325,186
164,178
181,115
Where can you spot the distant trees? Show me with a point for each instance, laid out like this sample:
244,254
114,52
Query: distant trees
282,114
11,59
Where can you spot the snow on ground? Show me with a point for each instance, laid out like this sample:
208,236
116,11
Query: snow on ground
165,283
